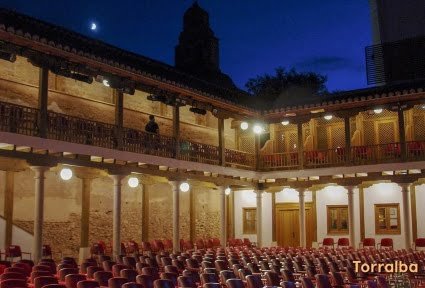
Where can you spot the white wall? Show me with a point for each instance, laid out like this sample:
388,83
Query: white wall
420,212
380,194
289,195
23,239
246,199
335,195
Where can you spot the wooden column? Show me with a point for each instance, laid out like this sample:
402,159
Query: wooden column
361,206
145,214
221,142
257,151
8,206
300,145
119,117
413,210
230,215
176,129
223,216
402,132
347,139
43,86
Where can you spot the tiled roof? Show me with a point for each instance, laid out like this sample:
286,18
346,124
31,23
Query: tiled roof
69,41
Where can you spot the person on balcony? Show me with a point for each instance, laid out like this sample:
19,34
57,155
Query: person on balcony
152,126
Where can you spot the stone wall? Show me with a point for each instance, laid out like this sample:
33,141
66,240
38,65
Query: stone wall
19,85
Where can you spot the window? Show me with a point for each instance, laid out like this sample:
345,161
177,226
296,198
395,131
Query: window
387,218
249,220
337,219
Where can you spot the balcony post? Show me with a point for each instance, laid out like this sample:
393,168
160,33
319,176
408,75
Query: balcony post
402,132
176,129
221,142
347,139
119,118
300,145
43,86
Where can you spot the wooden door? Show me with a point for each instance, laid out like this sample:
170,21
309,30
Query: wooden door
287,225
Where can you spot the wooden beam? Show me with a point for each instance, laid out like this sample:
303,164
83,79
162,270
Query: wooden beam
221,142
119,117
176,129
43,87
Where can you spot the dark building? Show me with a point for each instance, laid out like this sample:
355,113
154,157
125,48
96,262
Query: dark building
198,50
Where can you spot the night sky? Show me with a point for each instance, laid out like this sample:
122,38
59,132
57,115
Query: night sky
326,36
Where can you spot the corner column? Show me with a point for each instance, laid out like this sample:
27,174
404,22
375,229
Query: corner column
116,214
38,211
8,206
176,215
301,195
406,215
351,219
259,217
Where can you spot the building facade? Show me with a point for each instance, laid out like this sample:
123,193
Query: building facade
347,166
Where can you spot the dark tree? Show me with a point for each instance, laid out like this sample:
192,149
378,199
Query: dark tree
286,88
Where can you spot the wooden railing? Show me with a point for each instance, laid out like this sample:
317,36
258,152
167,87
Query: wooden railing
18,119
288,160
239,158
24,120
148,143
198,152
76,130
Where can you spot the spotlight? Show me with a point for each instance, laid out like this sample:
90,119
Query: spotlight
257,129
377,110
184,187
133,182
66,174
227,191
285,122
197,111
244,125
105,82
328,117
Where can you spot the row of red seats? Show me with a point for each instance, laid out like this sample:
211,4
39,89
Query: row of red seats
369,242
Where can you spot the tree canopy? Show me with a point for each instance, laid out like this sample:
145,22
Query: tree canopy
286,87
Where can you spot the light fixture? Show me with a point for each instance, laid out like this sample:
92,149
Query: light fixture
227,191
133,182
285,122
328,117
377,110
423,106
7,56
105,82
244,125
184,187
66,174
258,129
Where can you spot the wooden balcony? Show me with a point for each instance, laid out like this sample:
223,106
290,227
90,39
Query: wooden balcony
24,120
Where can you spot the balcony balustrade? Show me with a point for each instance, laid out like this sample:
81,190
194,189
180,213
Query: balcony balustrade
24,120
